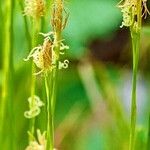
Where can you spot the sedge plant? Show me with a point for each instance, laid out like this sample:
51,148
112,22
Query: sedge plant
34,9
133,11
47,59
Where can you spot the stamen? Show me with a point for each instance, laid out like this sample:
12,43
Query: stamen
146,11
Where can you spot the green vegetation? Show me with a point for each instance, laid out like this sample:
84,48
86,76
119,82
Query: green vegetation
73,77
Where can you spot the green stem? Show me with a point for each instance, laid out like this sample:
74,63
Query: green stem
136,47
55,70
54,87
36,29
50,124
148,137
7,91
32,122
135,30
51,104
53,84
1,30
28,36
135,35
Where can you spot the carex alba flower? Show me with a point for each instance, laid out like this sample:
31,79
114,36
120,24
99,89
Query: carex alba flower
34,107
59,16
34,8
44,55
129,11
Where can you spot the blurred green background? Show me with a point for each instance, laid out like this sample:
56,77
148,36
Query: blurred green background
93,99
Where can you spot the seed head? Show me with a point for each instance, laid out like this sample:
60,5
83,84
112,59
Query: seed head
45,57
130,11
34,8
59,16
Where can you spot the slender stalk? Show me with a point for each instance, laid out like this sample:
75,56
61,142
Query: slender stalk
11,85
58,25
50,124
136,46
33,9
7,87
36,29
55,73
32,122
135,35
1,30
54,78
148,136
28,36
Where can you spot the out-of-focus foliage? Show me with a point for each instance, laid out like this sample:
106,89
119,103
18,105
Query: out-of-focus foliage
79,126
88,22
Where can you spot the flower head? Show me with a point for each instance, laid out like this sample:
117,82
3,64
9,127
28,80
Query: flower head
34,8
59,16
45,57
129,9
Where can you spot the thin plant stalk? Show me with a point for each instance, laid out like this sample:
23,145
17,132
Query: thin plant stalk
28,36
7,87
57,40
36,29
57,27
135,47
54,78
1,30
50,124
135,35
33,9
32,122
148,136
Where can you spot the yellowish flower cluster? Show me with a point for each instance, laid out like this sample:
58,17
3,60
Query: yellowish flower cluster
59,16
44,55
34,8
129,11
